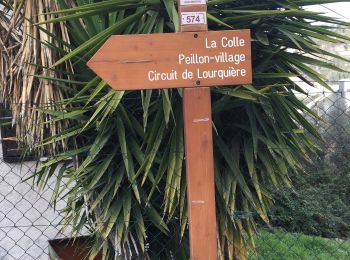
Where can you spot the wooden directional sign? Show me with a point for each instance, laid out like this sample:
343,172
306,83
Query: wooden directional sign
189,59
195,60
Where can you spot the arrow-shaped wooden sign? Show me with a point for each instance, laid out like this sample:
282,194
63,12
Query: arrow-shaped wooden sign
175,60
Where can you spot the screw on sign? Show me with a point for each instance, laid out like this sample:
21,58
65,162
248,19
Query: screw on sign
194,59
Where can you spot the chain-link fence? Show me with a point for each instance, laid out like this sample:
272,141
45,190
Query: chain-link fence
310,220
27,221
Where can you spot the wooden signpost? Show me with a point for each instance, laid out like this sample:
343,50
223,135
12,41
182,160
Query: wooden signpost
195,60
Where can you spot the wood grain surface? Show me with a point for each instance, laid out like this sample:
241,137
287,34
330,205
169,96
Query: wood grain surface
199,160
193,8
200,174
132,62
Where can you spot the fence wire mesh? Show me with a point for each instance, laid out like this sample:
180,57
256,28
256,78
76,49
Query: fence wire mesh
310,220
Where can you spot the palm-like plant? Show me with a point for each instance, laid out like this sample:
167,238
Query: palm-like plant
127,182
22,58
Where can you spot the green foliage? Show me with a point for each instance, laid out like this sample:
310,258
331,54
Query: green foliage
127,183
281,245
318,204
